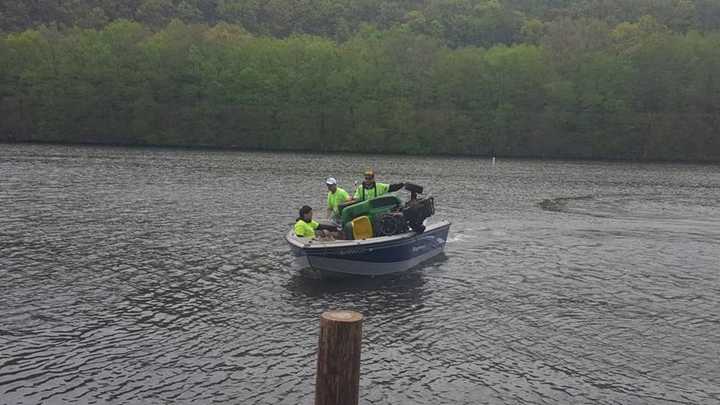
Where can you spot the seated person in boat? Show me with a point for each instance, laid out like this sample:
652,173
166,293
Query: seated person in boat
305,226
336,197
371,189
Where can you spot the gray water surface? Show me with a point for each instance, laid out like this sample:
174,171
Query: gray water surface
157,276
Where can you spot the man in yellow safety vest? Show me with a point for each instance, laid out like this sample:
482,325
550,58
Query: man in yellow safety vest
336,197
371,189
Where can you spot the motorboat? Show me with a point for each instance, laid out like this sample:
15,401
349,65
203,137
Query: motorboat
379,236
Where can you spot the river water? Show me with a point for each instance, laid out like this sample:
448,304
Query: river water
161,276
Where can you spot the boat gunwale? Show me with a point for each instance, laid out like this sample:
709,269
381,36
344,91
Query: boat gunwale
324,245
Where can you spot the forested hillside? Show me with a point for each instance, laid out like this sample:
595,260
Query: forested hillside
630,79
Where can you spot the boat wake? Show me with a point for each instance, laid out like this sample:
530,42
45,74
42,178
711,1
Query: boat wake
560,204
648,208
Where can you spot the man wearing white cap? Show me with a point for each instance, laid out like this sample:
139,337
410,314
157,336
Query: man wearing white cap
336,196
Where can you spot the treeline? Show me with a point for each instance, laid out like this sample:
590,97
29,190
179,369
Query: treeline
564,78
583,88
456,23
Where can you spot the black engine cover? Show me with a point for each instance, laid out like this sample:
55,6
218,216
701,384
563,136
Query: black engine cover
416,211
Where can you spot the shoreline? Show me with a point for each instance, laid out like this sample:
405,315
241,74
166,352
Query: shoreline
219,148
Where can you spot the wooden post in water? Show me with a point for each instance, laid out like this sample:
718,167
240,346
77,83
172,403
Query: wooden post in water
338,361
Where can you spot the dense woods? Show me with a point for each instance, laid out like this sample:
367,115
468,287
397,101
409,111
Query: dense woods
622,79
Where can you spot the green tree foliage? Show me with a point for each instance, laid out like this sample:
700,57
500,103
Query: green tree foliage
457,22
587,78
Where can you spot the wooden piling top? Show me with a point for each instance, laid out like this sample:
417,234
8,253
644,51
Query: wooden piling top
342,316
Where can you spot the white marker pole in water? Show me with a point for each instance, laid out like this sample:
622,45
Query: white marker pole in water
493,161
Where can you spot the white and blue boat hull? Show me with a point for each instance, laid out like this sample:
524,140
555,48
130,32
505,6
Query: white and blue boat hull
370,257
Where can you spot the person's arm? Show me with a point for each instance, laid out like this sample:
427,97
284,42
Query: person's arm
344,197
299,230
